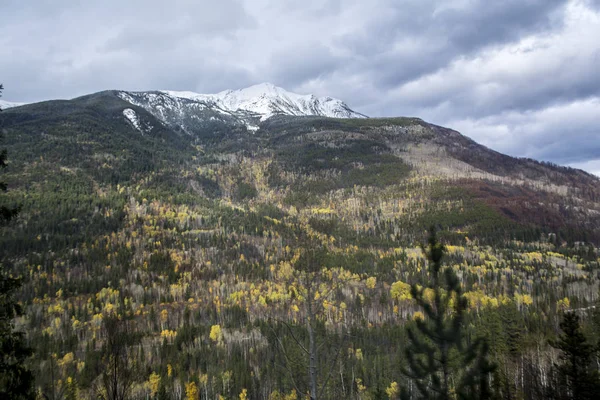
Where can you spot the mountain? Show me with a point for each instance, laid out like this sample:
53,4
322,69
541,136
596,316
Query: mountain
118,137
246,107
197,220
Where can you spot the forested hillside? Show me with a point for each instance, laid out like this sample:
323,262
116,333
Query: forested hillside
211,263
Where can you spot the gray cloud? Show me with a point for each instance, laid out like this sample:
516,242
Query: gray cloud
304,62
500,72
428,34
566,133
594,4
89,46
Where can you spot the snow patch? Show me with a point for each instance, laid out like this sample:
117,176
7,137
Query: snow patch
133,118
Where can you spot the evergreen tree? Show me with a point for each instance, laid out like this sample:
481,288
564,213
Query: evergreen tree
16,381
437,348
162,392
576,370
475,383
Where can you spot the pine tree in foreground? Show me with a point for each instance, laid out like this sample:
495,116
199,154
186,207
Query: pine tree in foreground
576,370
16,381
440,363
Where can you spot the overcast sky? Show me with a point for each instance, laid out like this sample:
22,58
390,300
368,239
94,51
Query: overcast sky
520,76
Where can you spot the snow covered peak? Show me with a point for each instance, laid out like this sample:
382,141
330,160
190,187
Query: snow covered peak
258,90
191,111
266,100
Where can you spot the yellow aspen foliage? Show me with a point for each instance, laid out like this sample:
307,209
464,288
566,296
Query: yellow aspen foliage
358,354
216,334
203,379
275,395
400,291
109,309
169,370
392,391
292,396
169,335
418,315
359,385
244,394
191,391
66,360
371,282
563,304
154,383
429,295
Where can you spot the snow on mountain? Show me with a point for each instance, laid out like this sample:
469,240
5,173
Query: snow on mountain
136,122
9,104
190,111
266,100
181,113
133,118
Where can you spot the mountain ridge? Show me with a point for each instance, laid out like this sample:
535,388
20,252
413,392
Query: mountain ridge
267,100
248,106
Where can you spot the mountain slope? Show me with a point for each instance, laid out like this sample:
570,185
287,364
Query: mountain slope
94,134
344,152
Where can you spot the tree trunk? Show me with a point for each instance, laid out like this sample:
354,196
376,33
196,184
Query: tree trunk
312,349
444,361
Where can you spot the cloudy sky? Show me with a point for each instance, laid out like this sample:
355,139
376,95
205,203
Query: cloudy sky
520,76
